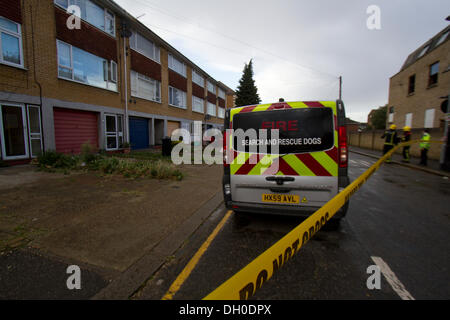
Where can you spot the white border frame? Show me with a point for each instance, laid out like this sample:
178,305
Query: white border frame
19,35
29,128
117,133
25,131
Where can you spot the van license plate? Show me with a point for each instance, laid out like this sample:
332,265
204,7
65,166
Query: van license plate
280,198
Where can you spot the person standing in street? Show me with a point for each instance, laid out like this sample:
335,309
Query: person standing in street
424,147
406,137
390,137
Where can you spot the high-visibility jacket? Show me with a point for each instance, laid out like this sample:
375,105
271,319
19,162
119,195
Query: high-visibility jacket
391,137
426,137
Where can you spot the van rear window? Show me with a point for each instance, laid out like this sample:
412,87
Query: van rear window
300,130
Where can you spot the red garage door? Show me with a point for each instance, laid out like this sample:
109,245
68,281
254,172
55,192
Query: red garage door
73,128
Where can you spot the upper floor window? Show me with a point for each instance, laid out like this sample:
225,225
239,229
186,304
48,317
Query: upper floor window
81,66
422,52
198,79
10,43
221,94
211,109
412,84
220,112
142,45
211,87
442,38
176,65
434,71
197,104
145,87
177,98
92,13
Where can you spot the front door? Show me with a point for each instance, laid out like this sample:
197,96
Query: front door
13,126
35,134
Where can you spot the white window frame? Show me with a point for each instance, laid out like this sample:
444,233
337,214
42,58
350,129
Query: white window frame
221,93
136,77
133,45
423,51
198,100
211,86
25,131
208,105
113,134
105,16
14,34
34,135
113,75
185,97
429,118
442,38
408,120
221,112
107,74
198,79
171,65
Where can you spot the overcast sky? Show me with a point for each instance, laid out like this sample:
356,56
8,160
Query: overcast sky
299,48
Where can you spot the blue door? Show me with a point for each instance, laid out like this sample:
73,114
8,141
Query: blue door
139,135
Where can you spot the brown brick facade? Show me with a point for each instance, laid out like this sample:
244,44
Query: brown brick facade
144,65
221,102
198,91
211,97
88,38
177,81
11,9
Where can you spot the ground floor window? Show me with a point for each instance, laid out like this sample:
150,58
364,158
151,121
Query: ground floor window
114,131
20,131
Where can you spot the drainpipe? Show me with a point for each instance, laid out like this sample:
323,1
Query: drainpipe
125,73
125,33
444,161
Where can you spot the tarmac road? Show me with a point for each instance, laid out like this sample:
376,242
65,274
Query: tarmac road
400,216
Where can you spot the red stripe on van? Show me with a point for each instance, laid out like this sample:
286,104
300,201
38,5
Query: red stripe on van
248,109
286,168
333,154
313,104
313,165
249,164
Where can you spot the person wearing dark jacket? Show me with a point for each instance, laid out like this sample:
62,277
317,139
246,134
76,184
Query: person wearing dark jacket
406,137
391,139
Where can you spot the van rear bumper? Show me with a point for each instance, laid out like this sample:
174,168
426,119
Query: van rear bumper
303,211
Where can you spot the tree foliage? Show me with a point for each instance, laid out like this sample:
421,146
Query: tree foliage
379,118
247,92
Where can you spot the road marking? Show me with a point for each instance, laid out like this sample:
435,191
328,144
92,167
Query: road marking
392,279
365,163
176,285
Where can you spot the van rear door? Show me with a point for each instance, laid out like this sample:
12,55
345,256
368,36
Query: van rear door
303,172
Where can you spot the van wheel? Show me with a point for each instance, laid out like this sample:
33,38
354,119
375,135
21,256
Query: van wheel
332,225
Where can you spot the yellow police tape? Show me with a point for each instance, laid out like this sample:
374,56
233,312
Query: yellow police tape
244,284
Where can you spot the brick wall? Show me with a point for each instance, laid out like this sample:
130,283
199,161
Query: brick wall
372,140
11,9
144,65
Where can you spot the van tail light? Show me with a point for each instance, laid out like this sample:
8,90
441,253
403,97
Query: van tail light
342,147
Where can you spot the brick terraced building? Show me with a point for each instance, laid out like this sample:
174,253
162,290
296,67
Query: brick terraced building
110,81
418,90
